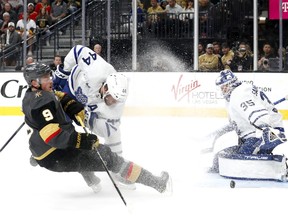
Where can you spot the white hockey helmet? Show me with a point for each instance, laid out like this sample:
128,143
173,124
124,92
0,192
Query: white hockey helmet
227,82
117,84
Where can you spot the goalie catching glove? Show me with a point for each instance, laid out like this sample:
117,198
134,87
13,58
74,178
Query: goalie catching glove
87,141
71,107
271,137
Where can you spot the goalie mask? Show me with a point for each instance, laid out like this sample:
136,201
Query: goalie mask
227,82
35,71
117,84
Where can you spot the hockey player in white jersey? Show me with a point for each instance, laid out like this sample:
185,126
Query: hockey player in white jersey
89,79
259,127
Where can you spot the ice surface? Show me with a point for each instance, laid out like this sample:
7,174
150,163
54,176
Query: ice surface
156,143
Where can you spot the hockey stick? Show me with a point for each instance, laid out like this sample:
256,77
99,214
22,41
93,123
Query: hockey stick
281,100
12,136
103,163
222,131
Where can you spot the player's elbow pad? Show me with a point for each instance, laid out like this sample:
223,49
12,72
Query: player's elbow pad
61,73
60,77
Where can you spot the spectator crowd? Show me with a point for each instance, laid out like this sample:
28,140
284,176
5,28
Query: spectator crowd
41,14
152,16
215,57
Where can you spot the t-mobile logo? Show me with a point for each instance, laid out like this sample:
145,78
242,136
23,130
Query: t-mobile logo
285,6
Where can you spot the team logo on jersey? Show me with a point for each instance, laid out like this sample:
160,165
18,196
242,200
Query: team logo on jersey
82,98
38,94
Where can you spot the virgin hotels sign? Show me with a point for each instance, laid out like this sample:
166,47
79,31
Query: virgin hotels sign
274,9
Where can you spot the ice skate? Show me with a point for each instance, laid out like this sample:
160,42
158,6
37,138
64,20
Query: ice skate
165,183
92,181
33,162
213,169
122,182
215,166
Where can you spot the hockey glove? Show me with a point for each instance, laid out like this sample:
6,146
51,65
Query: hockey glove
271,134
87,141
271,138
60,77
71,107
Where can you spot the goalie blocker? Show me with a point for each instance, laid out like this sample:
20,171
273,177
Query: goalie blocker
255,167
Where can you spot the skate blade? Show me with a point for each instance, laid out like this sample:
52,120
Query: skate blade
96,188
169,187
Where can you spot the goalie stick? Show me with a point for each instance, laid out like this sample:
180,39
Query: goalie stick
222,131
281,100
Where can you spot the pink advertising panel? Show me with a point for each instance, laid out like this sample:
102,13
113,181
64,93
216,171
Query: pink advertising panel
274,9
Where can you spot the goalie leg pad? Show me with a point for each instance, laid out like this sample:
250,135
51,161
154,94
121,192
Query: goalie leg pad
249,145
256,167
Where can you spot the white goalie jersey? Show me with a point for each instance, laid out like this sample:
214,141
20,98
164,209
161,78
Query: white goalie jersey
247,102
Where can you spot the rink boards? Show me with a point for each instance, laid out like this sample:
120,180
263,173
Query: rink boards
163,93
